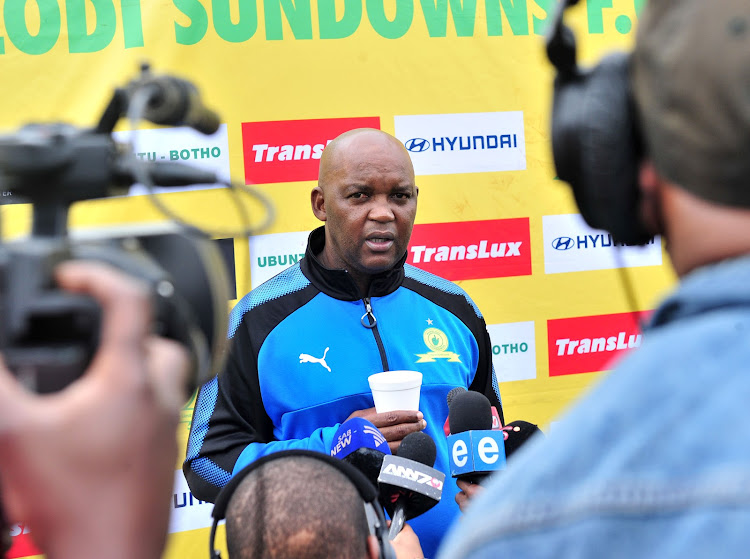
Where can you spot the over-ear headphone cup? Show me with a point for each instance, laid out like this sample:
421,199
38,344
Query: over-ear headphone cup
596,147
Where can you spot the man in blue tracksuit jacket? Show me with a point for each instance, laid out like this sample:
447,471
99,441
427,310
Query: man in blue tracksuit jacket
304,342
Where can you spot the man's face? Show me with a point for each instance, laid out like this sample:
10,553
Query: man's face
368,200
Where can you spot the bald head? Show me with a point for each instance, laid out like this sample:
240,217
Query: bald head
351,146
367,198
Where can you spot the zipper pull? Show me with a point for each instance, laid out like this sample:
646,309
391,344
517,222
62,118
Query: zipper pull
371,320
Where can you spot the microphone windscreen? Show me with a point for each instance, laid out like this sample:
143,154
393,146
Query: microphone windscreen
453,393
419,447
470,411
518,433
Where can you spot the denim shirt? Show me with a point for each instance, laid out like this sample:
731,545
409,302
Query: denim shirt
653,462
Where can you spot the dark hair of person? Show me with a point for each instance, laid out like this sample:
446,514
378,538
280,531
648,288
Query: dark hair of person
296,508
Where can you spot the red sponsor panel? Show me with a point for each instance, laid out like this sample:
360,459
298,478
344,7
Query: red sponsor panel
21,543
472,249
289,150
591,343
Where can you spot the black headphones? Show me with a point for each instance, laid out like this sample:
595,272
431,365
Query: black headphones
368,492
596,144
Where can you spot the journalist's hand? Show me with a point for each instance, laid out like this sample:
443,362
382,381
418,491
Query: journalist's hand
90,469
468,492
406,544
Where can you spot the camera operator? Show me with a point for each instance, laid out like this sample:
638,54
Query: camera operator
654,462
90,468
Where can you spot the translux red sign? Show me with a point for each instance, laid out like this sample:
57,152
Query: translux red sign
290,150
472,249
591,343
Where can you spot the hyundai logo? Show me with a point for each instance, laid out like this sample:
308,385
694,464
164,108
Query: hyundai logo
562,243
417,145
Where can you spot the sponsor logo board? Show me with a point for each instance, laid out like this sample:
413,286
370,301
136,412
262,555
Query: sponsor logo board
270,254
183,145
290,150
513,350
463,143
591,343
187,512
472,249
570,245
22,545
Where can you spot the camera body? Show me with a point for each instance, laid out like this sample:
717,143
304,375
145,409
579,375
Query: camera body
47,335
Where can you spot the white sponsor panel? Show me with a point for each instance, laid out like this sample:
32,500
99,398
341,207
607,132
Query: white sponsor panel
464,143
513,350
270,254
183,145
187,512
570,245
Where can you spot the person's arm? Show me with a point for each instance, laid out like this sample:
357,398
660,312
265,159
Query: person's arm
90,468
485,380
231,427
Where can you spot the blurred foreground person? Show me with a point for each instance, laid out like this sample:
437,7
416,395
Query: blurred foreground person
655,461
299,504
90,468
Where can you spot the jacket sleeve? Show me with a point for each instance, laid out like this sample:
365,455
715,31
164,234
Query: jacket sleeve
485,380
231,427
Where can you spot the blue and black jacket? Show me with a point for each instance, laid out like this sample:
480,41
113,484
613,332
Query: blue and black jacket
303,345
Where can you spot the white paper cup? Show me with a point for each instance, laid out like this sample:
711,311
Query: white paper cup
395,390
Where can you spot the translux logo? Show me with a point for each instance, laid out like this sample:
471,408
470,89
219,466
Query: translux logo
290,150
472,249
591,343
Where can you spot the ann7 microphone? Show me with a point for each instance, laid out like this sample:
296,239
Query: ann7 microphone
358,442
475,449
408,484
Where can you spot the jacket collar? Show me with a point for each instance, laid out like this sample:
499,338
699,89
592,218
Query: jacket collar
338,283
711,287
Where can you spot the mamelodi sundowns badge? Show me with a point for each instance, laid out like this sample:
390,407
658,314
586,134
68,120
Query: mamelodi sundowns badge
472,249
290,150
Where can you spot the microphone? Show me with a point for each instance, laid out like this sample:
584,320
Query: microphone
453,393
517,433
176,102
475,449
496,423
408,484
449,398
358,442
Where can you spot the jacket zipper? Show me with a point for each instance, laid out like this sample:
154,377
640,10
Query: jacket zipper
369,321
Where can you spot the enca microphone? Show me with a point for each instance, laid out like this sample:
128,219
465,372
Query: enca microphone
496,423
408,484
475,449
358,442
449,398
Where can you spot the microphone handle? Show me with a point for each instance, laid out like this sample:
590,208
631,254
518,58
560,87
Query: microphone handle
397,521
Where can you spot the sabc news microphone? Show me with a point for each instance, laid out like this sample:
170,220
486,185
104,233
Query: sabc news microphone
408,484
475,449
361,444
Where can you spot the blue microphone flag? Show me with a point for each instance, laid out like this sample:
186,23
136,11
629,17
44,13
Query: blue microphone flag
356,433
476,451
